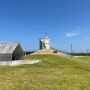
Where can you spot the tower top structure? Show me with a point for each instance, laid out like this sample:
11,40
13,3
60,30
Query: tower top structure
45,42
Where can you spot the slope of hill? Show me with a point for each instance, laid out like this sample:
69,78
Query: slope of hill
50,51
52,73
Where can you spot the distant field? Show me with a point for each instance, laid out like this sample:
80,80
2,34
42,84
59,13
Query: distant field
52,73
83,58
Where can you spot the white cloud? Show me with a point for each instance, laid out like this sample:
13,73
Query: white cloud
73,33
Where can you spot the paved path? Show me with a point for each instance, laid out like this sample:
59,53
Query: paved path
18,62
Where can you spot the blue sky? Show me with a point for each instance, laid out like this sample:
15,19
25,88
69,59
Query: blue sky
65,21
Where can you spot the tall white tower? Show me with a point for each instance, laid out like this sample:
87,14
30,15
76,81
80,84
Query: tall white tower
45,43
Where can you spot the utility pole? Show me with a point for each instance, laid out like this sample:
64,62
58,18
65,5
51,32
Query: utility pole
87,52
81,51
71,49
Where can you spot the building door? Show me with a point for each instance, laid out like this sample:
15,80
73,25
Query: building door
13,57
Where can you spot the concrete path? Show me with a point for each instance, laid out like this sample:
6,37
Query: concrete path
18,62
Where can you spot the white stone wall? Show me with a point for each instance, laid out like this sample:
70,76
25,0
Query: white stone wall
45,43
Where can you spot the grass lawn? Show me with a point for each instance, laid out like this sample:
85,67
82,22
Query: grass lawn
52,73
83,58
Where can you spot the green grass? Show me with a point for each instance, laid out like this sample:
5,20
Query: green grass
83,58
51,73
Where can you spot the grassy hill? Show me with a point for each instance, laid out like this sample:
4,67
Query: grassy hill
52,73
50,51
83,58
